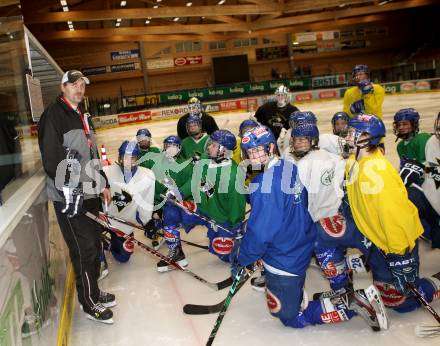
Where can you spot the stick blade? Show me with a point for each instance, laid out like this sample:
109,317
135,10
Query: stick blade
425,331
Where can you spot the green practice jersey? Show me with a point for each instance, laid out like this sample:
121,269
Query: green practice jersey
190,146
145,160
414,148
225,181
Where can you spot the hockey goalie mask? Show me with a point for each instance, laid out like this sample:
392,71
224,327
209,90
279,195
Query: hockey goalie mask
195,106
282,96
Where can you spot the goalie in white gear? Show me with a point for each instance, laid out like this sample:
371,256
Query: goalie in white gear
132,190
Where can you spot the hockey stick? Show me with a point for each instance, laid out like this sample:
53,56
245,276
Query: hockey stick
422,330
195,309
216,286
139,227
201,217
232,291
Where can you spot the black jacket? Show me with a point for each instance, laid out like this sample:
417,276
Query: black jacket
60,127
269,114
208,125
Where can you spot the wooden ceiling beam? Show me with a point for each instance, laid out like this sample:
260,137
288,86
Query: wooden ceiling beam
352,12
226,19
145,30
303,6
161,12
136,36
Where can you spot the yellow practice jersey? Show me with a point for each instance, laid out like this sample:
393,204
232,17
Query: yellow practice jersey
372,101
236,154
380,205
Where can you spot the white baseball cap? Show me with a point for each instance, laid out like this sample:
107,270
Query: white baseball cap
72,76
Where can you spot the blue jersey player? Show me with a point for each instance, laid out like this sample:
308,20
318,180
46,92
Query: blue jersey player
280,232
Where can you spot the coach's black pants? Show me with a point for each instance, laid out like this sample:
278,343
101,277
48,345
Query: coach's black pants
82,236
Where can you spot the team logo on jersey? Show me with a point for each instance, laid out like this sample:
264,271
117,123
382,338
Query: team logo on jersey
222,246
390,295
327,177
331,317
334,226
433,172
273,303
330,270
121,200
297,189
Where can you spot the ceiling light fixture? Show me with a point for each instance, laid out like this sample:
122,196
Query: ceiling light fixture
176,19
65,9
123,3
188,4
156,6
147,22
221,2
63,3
118,24
119,20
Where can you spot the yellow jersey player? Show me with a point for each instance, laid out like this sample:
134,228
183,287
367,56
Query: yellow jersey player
365,96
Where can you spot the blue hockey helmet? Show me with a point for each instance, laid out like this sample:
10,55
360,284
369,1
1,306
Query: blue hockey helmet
225,138
193,119
174,140
247,125
340,116
172,146
367,123
259,136
359,69
298,118
220,145
310,132
408,114
143,134
305,130
129,148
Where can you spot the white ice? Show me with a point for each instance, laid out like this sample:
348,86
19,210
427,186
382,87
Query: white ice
149,310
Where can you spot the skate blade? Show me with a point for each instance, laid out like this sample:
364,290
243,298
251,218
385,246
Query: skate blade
375,300
183,263
259,289
109,321
103,275
110,304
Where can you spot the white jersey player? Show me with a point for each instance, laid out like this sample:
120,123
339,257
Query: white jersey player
132,190
321,172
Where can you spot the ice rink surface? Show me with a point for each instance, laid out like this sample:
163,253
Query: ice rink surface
149,310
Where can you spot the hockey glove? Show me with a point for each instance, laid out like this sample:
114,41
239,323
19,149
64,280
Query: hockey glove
411,172
365,86
357,107
72,192
208,188
404,269
196,158
149,229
